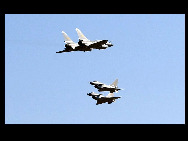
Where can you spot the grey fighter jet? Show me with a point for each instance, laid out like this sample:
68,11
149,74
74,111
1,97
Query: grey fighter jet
98,44
103,87
102,99
72,46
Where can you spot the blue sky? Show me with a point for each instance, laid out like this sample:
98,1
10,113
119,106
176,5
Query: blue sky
148,58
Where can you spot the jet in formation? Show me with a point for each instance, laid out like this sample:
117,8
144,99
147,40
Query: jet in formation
103,87
103,99
84,44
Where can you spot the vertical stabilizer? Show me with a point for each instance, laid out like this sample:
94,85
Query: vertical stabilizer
110,95
81,35
115,83
66,37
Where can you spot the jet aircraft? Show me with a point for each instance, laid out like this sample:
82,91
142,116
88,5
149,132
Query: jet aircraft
84,44
103,87
98,44
72,46
103,99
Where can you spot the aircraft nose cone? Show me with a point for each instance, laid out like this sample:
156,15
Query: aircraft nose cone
110,45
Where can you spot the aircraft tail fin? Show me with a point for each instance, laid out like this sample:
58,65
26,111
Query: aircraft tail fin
66,37
80,35
115,83
110,95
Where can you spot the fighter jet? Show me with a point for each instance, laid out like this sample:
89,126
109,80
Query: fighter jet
102,99
98,44
72,46
103,87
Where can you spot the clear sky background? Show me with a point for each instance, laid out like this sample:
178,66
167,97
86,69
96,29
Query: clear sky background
148,58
